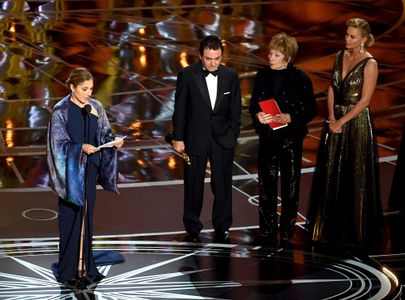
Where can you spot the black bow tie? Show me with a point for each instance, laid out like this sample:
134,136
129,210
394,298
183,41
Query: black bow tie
206,72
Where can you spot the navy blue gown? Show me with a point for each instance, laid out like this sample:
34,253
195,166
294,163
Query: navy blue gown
70,216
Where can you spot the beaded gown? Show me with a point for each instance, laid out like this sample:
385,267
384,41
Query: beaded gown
345,208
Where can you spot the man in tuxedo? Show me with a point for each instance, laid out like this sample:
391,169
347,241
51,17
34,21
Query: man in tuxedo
206,125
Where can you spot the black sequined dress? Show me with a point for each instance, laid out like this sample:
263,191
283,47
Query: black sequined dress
345,207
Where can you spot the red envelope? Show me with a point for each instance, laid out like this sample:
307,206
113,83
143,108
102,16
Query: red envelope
270,107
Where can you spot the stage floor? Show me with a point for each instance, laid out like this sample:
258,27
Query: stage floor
147,230
172,269
135,49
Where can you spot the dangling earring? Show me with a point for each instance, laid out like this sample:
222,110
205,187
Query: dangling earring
361,51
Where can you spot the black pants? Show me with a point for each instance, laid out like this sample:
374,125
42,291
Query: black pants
274,155
221,163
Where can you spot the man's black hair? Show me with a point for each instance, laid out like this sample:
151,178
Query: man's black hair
211,42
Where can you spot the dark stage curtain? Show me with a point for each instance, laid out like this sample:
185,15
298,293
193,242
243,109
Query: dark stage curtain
397,194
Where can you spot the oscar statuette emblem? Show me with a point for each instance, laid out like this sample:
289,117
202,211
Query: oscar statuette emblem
169,140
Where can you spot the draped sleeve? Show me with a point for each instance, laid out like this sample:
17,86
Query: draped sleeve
66,162
108,171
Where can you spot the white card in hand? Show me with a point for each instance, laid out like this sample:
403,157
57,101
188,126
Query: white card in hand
111,144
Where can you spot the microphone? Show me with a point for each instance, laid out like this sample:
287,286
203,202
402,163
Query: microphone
86,109
86,115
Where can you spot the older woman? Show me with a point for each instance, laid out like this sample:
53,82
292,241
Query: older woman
281,148
345,209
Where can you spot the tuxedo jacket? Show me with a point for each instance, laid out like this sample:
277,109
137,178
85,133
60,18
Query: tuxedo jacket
195,122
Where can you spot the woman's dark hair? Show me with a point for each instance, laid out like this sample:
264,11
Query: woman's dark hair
78,76
211,42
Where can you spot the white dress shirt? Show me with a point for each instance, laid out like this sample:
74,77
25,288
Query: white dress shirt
212,84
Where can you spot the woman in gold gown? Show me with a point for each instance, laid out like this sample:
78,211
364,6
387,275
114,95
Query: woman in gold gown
345,208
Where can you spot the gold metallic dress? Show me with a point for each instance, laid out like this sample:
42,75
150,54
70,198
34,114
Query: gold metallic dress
345,208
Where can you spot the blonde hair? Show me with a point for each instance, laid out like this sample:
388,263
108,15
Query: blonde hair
287,45
364,28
